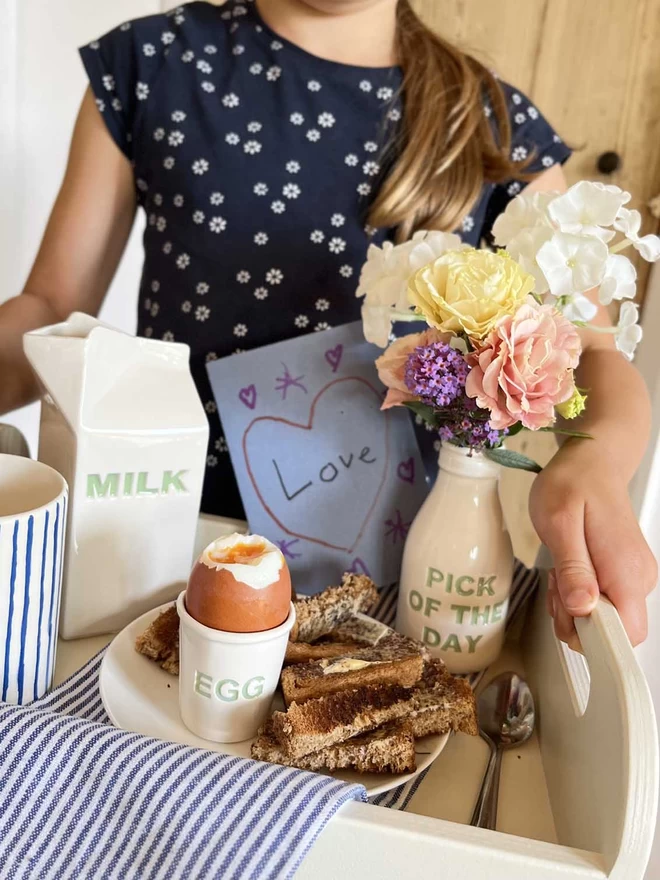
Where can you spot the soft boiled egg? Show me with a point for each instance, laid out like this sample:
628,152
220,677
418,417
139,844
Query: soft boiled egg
240,583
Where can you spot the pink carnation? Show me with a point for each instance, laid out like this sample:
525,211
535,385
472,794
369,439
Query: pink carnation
391,365
525,368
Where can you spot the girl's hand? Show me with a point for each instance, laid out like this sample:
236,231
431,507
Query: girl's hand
580,508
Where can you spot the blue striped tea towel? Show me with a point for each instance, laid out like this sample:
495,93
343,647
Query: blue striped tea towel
81,799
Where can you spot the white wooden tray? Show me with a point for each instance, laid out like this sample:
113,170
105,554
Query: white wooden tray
579,801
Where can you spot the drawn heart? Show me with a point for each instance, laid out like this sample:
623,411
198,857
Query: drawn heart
248,396
358,567
406,471
321,480
333,356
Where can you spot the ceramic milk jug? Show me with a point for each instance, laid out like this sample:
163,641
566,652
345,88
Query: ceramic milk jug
458,565
121,420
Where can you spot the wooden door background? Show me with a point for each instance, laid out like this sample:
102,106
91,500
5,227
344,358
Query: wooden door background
593,69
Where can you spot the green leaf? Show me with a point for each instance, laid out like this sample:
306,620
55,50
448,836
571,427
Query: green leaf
516,429
423,410
567,433
511,459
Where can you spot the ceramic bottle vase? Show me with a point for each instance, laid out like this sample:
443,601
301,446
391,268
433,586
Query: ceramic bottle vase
458,565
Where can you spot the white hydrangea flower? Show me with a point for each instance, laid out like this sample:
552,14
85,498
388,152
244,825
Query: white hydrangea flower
628,332
529,209
587,207
619,280
525,246
630,222
572,263
578,308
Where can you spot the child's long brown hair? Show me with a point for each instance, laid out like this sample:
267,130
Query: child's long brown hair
446,149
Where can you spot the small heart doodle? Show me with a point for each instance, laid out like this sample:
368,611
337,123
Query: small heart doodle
406,471
248,396
333,356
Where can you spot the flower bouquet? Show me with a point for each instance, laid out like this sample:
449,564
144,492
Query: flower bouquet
501,344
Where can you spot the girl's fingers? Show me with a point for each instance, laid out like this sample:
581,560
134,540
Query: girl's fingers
576,579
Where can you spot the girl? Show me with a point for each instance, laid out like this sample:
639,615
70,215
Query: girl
268,143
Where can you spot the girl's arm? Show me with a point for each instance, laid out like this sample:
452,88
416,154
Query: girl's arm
81,248
580,505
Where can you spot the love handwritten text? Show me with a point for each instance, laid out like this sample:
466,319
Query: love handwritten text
292,486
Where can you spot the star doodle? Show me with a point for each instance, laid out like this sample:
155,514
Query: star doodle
398,529
283,383
285,547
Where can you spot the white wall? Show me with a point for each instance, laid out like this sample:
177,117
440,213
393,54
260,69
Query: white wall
41,84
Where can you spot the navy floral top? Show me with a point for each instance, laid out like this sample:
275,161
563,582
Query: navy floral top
256,163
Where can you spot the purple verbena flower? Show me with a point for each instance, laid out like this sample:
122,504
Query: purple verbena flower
436,374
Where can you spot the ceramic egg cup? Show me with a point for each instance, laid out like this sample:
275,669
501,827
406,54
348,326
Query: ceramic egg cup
226,679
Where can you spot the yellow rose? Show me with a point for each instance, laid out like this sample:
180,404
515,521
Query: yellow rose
469,290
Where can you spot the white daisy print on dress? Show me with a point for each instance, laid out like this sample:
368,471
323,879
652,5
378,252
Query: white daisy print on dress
291,190
221,445
217,224
239,10
232,138
238,49
301,321
313,135
322,305
351,159
210,406
276,46
533,113
278,207
273,73
148,332
256,68
216,198
183,261
210,49
293,167
261,293
519,118
252,147
200,166
371,168
243,276
384,93
176,138
364,189
488,110
346,271
513,188
211,460
159,134
371,146
394,115
202,288
518,154
204,66
168,336
208,87
147,304
187,56
260,189
515,97
231,100
186,306
101,105
547,161
338,219
254,127
155,286
169,162
296,118
109,83
155,308
178,116
261,238
141,91
467,224
126,26
178,201
202,313
274,276
326,120
240,330
161,224
167,247
336,245
557,139
199,217
211,356
314,85
322,325
167,38
95,45
365,85
317,236
117,105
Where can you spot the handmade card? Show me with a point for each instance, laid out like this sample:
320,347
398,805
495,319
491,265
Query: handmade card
322,471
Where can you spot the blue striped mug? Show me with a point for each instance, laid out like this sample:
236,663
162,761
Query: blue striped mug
33,502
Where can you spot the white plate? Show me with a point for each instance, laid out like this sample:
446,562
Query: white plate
139,696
